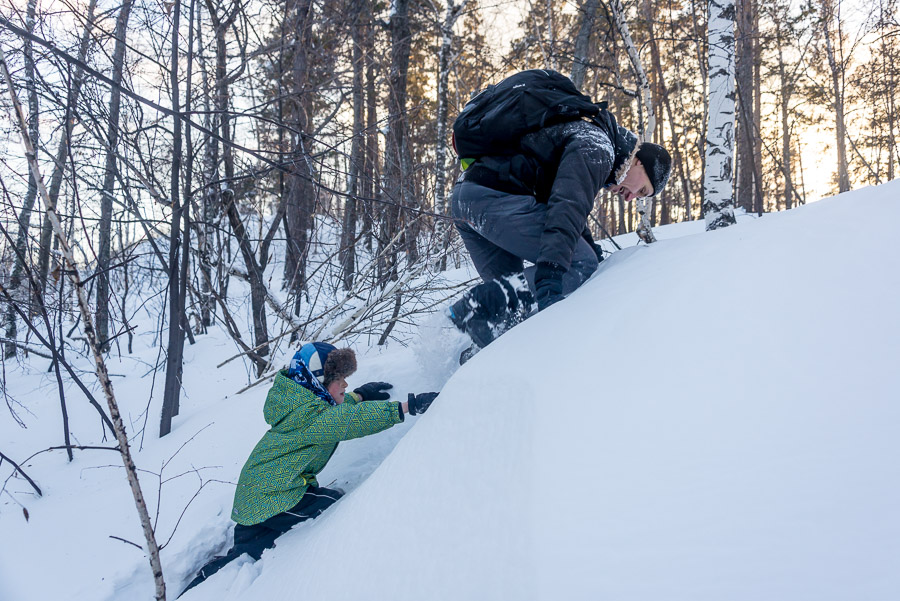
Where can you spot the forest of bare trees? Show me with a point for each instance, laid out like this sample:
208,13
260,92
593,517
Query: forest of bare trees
281,169
181,142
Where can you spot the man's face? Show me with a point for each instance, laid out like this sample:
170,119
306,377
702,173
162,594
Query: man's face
636,183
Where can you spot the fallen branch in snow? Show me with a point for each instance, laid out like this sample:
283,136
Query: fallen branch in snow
21,471
25,347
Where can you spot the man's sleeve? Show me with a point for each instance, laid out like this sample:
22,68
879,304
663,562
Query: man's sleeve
585,164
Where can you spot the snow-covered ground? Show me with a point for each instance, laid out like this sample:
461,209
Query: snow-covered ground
712,417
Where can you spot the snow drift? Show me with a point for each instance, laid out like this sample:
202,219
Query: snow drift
712,417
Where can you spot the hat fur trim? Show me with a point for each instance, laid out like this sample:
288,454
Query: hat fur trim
622,171
341,363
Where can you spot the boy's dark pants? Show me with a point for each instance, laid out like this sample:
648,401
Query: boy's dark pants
253,540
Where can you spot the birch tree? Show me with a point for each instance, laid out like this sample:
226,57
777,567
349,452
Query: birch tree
645,111
718,195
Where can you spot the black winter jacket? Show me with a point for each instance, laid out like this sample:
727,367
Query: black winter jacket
565,166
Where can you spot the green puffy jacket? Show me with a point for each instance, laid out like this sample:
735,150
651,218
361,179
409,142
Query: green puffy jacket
305,433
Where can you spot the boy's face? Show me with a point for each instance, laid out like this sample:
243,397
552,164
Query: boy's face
336,389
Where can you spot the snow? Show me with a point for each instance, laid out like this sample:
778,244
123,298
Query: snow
711,417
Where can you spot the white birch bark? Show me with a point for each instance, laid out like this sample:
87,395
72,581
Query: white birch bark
718,193
645,134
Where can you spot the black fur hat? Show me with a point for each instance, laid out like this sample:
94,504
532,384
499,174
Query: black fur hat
340,363
657,163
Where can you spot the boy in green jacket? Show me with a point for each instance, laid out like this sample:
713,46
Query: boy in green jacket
310,412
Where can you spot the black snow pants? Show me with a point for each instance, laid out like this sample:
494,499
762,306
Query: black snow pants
253,540
502,229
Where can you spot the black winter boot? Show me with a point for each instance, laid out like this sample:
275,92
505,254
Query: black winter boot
488,310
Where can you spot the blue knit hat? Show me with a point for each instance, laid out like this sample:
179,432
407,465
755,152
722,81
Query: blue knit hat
314,355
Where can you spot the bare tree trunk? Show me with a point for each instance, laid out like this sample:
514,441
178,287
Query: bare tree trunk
397,162
445,56
255,279
371,173
888,53
357,147
188,177
62,151
90,334
15,281
204,226
703,66
589,12
175,347
836,67
109,178
673,136
758,201
300,185
744,85
786,90
228,198
718,198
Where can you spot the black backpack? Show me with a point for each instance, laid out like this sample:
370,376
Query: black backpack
493,122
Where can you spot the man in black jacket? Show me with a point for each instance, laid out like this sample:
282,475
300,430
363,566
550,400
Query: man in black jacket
534,207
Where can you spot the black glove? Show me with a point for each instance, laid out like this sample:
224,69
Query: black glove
548,284
374,391
419,403
598,250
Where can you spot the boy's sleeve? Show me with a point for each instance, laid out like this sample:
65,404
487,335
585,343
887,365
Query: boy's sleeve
353,420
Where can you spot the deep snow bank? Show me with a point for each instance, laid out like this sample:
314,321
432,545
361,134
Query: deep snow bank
713,417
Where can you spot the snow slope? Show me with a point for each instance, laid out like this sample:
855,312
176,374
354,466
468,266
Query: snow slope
712,417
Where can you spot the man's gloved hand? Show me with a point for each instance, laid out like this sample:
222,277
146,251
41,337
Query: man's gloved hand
548,284
374,391
419,403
